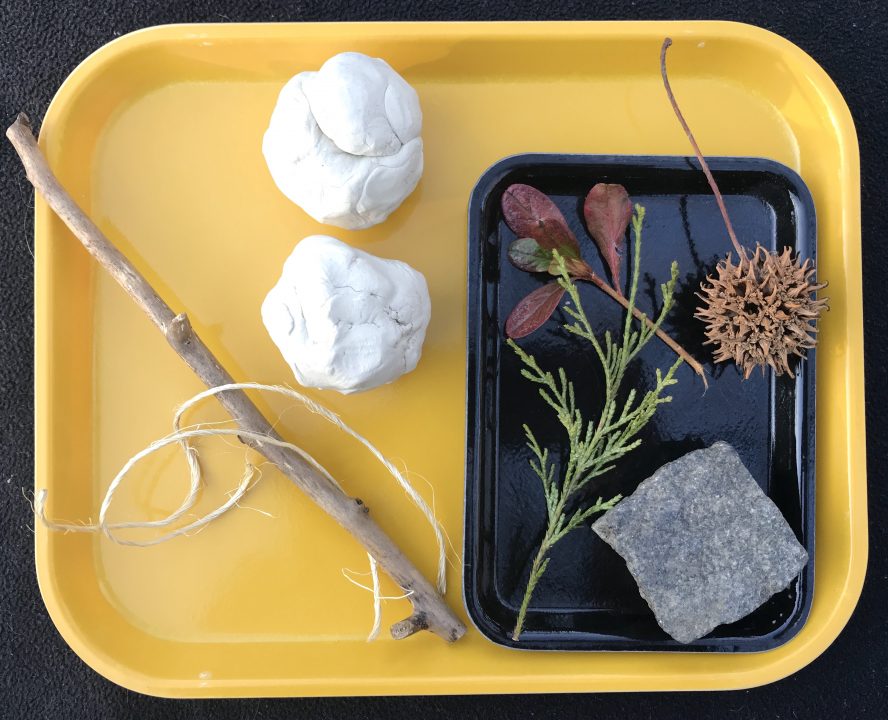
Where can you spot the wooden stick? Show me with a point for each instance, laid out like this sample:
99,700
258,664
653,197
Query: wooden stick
430,612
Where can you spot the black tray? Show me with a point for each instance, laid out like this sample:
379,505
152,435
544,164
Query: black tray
587,599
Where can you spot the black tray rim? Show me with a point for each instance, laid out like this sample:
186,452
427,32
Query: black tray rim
806,235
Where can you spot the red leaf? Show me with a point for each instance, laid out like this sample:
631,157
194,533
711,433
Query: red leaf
534,310
531,214
608,210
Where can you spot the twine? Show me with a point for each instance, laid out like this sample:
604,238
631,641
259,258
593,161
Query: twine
182,437
377,598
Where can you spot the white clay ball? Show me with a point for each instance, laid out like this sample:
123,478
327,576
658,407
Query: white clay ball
344,319
344,142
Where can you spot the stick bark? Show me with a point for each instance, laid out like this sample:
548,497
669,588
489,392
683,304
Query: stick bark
430,612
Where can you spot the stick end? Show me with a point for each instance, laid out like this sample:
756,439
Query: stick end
21,122
410,626
419,621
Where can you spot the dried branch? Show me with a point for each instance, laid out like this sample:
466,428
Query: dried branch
430,612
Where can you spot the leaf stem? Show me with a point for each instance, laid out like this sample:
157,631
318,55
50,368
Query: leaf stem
718,196
589,275
536,572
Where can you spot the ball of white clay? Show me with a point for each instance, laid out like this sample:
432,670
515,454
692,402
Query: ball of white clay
345,319
343,142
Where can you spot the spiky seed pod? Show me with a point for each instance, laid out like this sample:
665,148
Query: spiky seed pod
762,311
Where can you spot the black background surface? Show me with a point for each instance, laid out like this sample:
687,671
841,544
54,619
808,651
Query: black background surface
41,42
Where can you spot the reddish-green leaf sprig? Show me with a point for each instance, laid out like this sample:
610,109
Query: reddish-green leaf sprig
543,232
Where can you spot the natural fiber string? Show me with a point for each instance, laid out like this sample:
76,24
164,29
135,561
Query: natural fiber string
377,598
182,437
377,601
333,418
108,528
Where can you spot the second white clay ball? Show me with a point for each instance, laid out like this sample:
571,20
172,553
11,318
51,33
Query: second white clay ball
344,319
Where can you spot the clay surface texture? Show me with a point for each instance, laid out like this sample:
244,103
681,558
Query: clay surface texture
345,319
344,142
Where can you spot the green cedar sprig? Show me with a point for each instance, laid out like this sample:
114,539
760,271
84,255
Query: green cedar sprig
593,446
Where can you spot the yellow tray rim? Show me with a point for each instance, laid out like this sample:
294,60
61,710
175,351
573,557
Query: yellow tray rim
798,653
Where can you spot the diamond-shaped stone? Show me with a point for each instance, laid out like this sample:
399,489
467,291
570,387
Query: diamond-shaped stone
704,543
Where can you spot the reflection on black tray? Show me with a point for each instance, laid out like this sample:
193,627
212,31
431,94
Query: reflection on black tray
587,599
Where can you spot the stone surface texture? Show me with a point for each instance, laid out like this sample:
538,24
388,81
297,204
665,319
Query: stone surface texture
704,543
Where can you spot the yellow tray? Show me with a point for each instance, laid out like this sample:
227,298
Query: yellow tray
158,137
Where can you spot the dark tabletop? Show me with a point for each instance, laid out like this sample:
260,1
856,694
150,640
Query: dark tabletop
42,41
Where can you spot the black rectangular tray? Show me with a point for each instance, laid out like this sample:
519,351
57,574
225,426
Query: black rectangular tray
587,599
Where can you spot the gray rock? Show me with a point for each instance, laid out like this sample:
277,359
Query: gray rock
704,543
